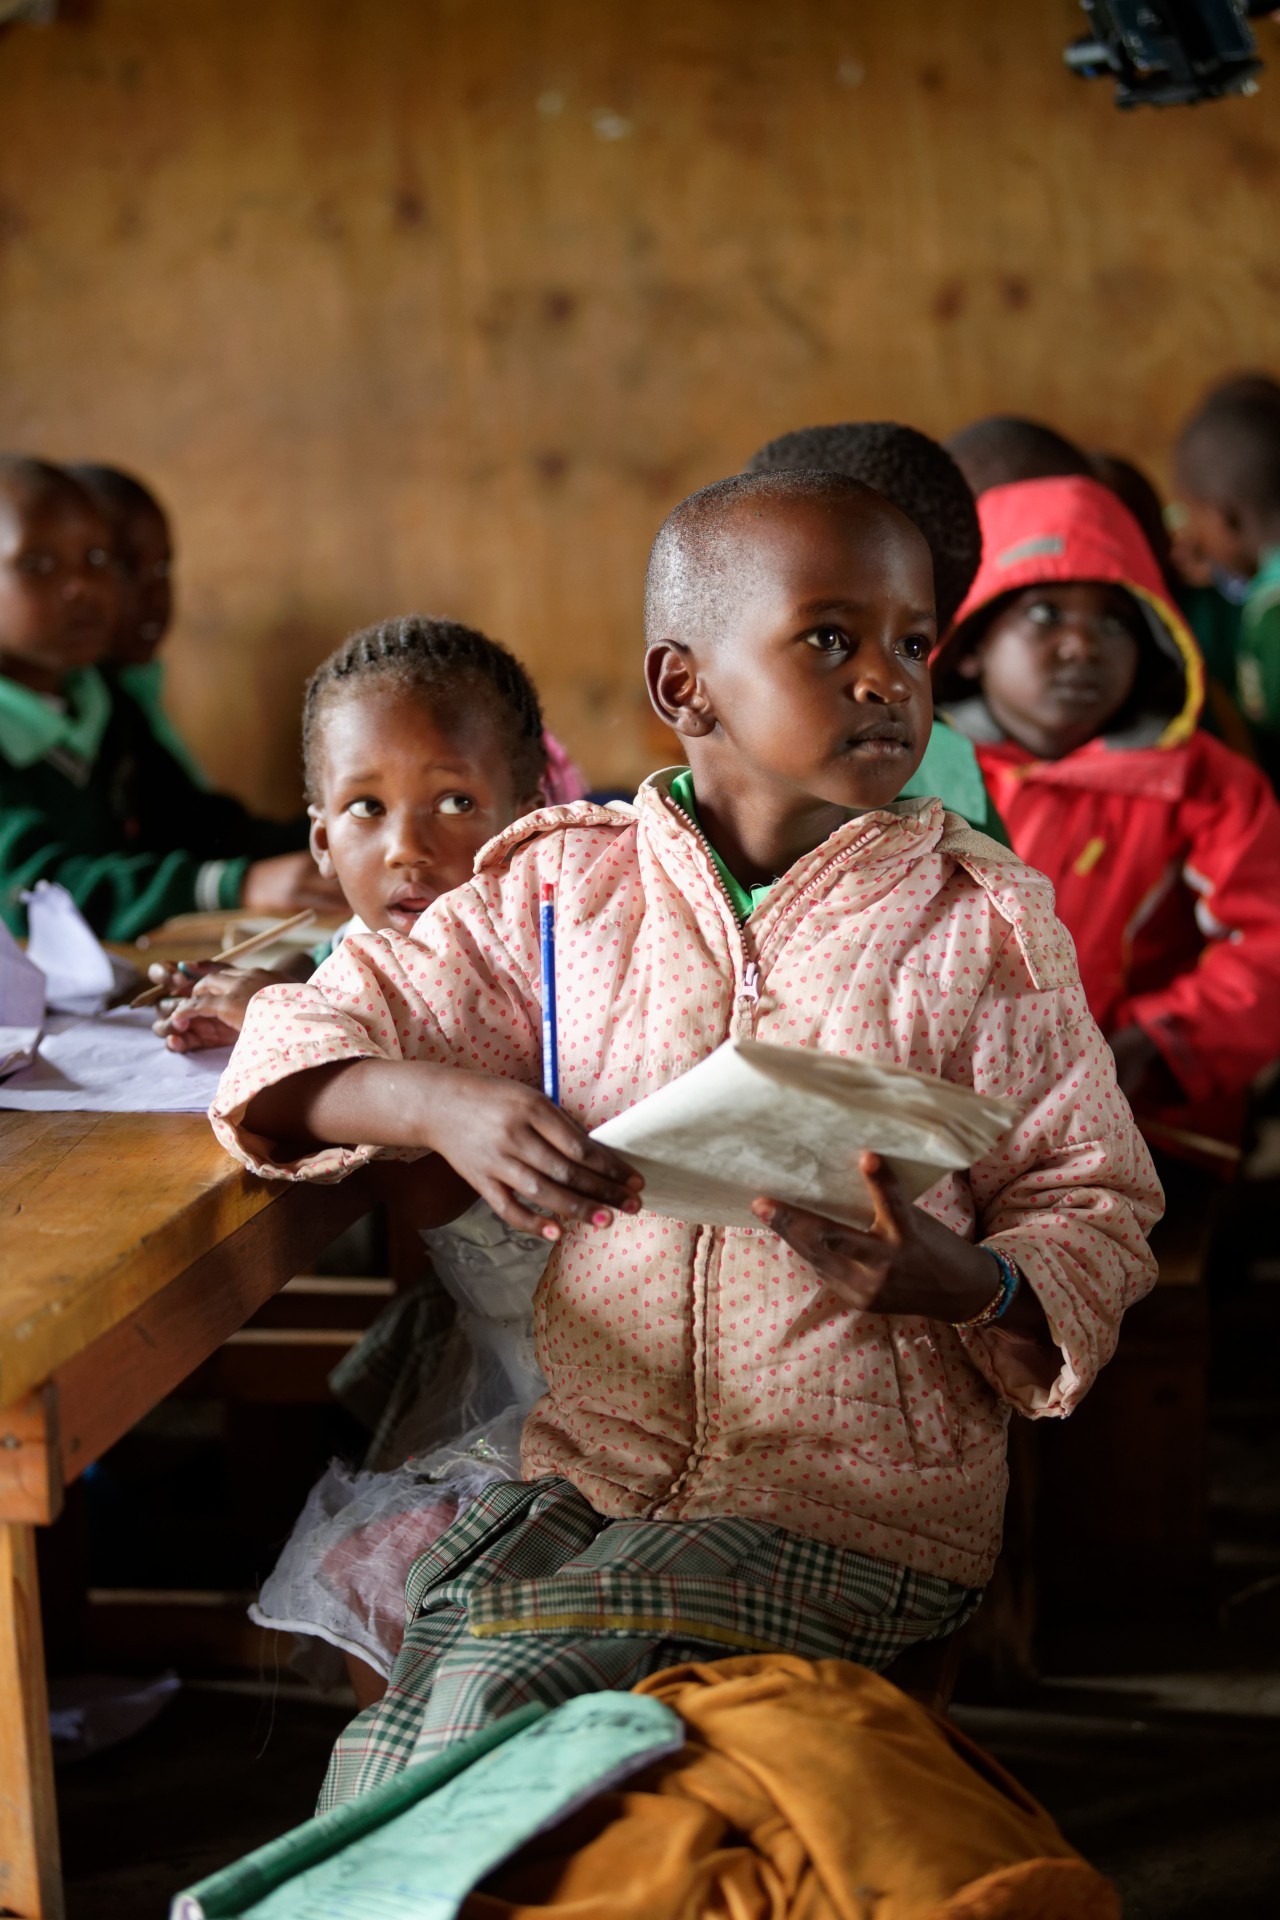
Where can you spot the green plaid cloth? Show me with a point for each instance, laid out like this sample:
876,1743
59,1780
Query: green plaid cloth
533,1595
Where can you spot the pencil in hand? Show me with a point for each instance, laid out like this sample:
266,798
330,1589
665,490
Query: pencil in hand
154,994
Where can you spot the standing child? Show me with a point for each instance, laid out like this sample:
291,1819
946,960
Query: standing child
1227,477
788,1438
1076,677
142,549
88,796
924,482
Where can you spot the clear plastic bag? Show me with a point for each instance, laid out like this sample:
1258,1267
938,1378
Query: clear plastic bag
339,1582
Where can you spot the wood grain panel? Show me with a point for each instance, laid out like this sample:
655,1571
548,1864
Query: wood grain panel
30,1876
443,303
97,1213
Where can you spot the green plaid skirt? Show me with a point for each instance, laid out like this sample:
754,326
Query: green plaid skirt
533,1596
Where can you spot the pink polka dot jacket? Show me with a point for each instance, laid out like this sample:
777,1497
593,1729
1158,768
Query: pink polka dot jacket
698,1371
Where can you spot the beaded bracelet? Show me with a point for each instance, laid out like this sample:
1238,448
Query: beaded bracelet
1010,1281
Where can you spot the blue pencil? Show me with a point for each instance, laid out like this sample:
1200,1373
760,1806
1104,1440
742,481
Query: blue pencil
550,1044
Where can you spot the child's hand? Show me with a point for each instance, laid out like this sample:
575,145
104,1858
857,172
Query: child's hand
1144,1075
212,1012
904,1262
515,1148
287,883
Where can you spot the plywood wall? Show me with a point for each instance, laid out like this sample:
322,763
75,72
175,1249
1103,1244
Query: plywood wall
442,303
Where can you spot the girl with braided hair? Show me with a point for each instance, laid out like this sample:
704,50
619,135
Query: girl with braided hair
421,739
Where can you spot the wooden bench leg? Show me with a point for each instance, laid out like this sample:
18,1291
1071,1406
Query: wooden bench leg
30,1868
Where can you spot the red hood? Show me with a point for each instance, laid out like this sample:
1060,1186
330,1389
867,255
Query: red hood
1074,529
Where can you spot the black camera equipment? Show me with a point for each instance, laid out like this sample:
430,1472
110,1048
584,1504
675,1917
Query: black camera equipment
1168,53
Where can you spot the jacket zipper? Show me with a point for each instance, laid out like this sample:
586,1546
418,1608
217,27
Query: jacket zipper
746,1006
748,1000
749,991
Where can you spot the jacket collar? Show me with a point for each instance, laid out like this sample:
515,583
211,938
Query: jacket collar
68,733
882,845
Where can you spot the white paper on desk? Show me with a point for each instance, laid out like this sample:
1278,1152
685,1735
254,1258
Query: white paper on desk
80,975
21,1003
790,1123
112,1064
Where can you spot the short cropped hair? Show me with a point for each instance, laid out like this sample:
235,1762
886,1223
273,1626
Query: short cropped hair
700,565
459,670
119,492
1229,450
914,472
1006,447
25,478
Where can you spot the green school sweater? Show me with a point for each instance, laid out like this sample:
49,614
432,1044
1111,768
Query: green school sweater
1258,647
90,798
145,684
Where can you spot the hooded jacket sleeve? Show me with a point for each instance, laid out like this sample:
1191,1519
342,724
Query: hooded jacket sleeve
1070,1195
454,995
1218,1023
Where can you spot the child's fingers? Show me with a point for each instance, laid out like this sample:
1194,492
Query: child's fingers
580,1152
584,1182
508,1209
541,1190
892,1216
195,1035
835,1253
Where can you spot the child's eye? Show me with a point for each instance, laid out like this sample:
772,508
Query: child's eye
365,808
827,640
1114,629
457,803
97,558
1044,613
917,646
37,563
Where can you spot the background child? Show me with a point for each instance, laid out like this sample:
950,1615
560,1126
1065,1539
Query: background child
1080,684
422,739
788,1438
924,482
88,796
1227,476
1005,447
415,677
142,548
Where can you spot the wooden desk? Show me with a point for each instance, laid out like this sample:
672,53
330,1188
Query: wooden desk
130,1248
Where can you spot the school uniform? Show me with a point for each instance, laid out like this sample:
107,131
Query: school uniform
1162,844
143,681
91,798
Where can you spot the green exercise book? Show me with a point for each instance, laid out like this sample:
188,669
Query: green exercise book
414,1848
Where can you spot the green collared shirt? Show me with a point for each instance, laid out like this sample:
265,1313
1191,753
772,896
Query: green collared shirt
1258,650
745,899
950,772
67,731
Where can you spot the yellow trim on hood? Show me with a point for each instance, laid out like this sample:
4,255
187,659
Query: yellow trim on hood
1184,723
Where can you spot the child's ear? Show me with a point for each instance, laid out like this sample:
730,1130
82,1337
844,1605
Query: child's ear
320,843
676,691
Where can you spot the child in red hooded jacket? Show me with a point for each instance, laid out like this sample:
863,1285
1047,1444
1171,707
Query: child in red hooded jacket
1078,681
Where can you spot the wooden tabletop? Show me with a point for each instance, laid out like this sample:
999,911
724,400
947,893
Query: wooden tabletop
97,1212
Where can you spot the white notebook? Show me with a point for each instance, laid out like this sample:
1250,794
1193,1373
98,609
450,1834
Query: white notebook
789,1123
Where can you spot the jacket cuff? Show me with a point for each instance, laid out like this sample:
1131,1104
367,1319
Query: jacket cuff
992,1358
220,884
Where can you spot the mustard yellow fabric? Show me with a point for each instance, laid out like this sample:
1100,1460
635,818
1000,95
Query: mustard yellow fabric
807,1790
